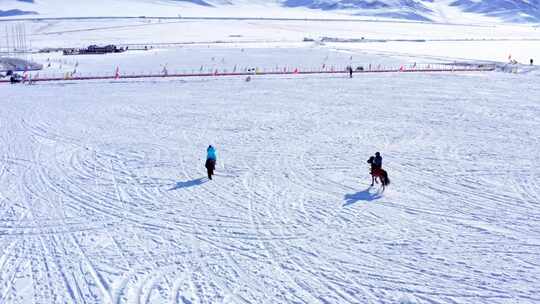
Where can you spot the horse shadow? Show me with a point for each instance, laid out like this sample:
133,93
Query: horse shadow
189,184
365,196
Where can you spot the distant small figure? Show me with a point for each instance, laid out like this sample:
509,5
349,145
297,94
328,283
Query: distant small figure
532,62
14,78
350,70
248,79
211,159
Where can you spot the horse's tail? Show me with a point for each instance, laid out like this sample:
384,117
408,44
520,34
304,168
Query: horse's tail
386,181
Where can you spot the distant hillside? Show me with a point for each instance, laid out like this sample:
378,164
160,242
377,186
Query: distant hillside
419,10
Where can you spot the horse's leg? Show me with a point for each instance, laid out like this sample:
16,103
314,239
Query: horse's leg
385,178
372,180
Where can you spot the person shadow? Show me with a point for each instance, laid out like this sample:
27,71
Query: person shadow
189,184
365,195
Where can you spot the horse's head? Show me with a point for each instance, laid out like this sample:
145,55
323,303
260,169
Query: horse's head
371,160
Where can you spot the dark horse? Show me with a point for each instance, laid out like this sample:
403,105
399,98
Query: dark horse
377,172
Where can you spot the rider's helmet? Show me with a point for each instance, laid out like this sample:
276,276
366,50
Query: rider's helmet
377,154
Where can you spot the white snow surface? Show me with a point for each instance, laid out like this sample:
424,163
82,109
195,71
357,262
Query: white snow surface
103,195
432,42
162,8
436,10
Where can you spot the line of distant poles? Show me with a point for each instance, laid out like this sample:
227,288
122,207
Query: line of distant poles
14,40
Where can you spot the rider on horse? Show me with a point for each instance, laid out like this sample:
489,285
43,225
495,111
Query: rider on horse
376,162
376,169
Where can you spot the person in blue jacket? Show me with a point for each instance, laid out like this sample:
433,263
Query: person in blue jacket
211,159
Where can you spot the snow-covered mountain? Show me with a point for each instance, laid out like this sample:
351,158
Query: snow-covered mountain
508,10
517,11
420,10
7,10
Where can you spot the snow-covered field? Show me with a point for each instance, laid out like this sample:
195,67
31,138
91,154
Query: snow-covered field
196,59
433,10
103,195
484,41
104,200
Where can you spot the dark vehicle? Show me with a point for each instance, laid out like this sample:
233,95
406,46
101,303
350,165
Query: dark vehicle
15,78
95,50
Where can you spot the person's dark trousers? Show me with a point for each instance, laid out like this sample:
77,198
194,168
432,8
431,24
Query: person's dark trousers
210,167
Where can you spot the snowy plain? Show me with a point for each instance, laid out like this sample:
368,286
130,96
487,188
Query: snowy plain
103,197
482,41
416,11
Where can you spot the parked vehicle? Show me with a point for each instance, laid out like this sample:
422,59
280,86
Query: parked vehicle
94,50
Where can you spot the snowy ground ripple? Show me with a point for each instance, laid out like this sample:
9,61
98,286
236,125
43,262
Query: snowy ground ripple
103,197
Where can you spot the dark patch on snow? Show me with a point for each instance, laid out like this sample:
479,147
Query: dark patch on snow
198,2
405,15
15,12
355,4
365,196
344,4
508,10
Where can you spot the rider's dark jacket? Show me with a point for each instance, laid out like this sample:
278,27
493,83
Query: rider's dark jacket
377,163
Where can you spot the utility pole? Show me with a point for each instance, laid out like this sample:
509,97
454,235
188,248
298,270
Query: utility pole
7,41
16,40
